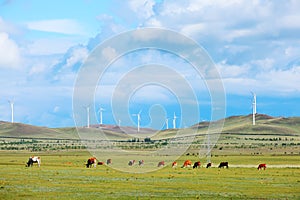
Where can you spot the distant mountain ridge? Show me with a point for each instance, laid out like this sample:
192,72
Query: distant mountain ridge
235,124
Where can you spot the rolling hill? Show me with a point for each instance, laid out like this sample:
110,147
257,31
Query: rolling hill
264,125
19,130
232,125
242,125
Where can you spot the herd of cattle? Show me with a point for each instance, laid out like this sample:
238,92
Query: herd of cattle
188,163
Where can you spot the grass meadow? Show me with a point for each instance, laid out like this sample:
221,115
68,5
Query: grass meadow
62,175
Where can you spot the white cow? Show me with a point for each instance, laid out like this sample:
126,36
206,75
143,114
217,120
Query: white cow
34,159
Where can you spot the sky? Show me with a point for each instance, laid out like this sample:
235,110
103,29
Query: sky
254,46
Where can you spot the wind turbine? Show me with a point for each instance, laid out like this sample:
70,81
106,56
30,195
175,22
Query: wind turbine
100,110
167,123
253,108
11,102
174,121
88,115
138,119
119,123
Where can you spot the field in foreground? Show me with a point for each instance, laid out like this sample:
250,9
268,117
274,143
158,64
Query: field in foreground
64,176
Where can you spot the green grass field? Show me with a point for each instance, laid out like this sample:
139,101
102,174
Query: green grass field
63,175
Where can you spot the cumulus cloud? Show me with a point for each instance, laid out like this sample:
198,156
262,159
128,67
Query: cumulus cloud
281,82
78,55
268,80
9,52
232,71
144,9
220,19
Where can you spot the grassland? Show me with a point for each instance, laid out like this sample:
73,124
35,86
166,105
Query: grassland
64,176
274,141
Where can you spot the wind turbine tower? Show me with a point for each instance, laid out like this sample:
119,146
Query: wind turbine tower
167,123
174,121
100,110
88,115
253,108
11,102
138,120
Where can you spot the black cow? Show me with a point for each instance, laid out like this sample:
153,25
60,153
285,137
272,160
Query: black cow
141,162
91,161
109,161
223,164
197,165
131,162
208,165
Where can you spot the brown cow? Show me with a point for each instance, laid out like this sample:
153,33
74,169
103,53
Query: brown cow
187,163
100,163
262,166
174,164
161,164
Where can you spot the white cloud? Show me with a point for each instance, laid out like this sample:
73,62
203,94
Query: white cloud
9,52
285,82
264,64
273,82
78,55
290,21
64,26
192,29
220,19
109,53
153,23
144,9
37,69
238,33
232,71
56,109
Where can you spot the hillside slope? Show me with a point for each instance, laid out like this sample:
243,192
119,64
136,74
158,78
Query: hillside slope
243,125
232,125
28,131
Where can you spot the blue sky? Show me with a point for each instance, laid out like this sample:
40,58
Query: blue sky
255,46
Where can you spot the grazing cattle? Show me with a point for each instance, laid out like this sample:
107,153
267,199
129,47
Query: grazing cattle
174,164
91,161
208,165
262,166
100,163
197,165
187,163
34,159
161,164
223,164
131,162
109,161
141,162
